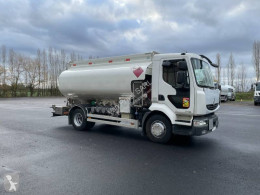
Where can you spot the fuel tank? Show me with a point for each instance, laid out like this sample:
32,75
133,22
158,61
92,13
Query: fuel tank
85,81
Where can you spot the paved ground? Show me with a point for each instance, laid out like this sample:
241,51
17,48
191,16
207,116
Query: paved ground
50,157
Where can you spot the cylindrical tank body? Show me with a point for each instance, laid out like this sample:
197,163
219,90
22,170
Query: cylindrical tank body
101,81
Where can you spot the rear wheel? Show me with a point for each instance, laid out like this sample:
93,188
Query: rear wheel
159,129
79,121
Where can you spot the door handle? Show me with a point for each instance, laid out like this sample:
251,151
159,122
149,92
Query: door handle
161,97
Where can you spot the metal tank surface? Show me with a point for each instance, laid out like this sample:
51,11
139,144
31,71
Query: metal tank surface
104,79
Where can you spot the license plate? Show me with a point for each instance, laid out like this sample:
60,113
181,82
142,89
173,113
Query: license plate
211,124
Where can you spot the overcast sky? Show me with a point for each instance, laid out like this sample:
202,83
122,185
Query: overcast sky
115,27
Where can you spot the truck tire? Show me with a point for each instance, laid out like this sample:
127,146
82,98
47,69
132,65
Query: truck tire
79,121
159,129
255,103
226,99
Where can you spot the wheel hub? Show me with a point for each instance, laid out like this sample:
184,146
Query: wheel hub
158,129
78,119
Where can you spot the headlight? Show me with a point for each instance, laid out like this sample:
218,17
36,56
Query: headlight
199,123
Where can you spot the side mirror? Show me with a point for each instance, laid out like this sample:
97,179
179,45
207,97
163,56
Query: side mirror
182,65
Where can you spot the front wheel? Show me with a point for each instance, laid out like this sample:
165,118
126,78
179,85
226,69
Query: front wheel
226,99
79,121
159,129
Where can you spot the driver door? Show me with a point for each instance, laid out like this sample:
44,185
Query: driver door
174,86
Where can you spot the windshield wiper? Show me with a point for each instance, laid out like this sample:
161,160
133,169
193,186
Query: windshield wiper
206,86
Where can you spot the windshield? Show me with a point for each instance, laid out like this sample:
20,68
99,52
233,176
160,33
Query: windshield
257,87
202,73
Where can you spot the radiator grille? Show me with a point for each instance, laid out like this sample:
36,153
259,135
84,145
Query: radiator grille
212,106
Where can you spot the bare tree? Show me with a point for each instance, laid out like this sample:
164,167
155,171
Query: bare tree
231,70
219,68
56,70
228,74
1,70
224,77
15,70
51,70
4,68
72,56
40,72
256,58
243,77
63,60
31,68
39,69
241,81
45,71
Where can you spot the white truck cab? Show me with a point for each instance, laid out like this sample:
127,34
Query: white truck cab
162,94
257,93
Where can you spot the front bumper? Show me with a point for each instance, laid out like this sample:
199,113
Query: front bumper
257,99
201,125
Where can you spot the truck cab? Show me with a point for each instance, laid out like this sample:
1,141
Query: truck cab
257,93
184,89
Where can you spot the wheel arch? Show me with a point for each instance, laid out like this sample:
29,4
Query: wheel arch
72,110
166,112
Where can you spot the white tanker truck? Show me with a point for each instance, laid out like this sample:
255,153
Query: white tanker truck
162,94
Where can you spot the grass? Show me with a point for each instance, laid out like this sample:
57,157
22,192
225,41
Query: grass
245,96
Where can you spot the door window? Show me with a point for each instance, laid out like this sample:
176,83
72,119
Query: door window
170,73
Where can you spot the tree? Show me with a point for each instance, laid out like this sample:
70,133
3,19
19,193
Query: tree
56,70
1,70
63,60
243,77
72,56
4,68
39,69
219,68
231,70
51,70
224,76
15,70
45,71
31,69
256,59
241,81
23,73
